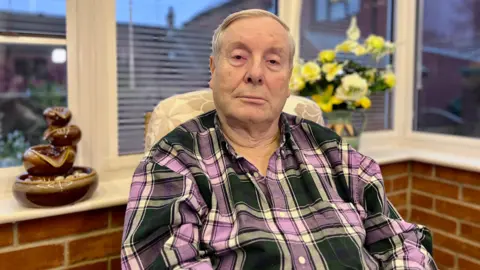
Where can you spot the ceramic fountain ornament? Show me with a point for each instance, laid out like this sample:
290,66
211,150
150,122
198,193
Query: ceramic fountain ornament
51,179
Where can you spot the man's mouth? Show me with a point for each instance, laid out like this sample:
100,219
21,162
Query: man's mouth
253,99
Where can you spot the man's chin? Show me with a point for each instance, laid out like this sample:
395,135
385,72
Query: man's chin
251,117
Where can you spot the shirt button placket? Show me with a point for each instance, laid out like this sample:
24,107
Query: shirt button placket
299,256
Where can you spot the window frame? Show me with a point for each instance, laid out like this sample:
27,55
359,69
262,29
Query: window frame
92,68
24,39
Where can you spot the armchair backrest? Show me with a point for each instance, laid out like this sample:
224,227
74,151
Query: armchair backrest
175,110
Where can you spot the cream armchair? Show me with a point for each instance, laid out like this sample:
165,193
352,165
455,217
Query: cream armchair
175,110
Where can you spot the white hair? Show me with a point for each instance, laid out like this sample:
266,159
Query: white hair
249,13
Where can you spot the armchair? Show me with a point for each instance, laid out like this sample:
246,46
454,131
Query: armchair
175,110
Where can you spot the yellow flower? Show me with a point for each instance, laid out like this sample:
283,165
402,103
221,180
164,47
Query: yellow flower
326,100
326,56
311,72
296,83
346,46
359,50
332,69
375,42
365,102
389,79
296,69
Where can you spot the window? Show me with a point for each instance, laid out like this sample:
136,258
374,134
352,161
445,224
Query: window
318,33
448,77
32,72
332,10
163,49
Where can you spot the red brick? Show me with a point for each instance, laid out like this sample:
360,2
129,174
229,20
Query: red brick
388,184
403,212
471,195
443,258
43,257
435,187
118,216
454,245
464,264
398,200
394,169
422,168
400,183
459,211
421,200
433,221
95,247
470,232
115,264
103,265
460,176
58,226
6,234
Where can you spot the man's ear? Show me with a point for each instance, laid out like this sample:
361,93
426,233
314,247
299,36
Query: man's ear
212,65
212,70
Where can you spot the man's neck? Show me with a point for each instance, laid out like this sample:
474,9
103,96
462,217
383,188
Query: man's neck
250,136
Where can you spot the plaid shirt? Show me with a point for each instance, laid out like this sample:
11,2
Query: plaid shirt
196,204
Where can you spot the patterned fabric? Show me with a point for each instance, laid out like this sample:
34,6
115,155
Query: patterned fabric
175,110
196,204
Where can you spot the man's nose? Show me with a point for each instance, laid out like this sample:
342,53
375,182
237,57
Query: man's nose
255,73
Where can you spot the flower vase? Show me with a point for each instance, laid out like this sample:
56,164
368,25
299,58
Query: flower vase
342,122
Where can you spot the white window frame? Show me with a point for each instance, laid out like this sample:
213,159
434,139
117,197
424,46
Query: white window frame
92,89
11,172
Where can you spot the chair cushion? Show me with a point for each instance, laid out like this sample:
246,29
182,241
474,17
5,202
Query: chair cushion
175,110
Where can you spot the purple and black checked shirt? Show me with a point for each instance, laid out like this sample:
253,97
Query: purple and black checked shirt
196,204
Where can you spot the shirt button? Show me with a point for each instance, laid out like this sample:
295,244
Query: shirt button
255,174
301,260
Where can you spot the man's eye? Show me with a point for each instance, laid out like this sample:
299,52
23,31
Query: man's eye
237,57
273,62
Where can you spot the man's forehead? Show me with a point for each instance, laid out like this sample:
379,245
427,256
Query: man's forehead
241,32
255,25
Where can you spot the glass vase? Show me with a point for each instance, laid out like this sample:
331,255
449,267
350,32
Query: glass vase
348,124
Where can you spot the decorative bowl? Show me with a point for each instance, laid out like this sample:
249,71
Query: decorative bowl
52,191
63,136
57,116
44,159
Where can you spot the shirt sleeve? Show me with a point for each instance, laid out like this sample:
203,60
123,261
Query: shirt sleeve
162,221
394,242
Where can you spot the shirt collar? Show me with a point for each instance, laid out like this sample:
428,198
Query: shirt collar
285,133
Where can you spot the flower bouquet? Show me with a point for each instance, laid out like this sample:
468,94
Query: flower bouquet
342,87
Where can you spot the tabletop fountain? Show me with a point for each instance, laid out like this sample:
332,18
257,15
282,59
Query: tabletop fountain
51,179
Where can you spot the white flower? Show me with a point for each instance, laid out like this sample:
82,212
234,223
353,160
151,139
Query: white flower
353,88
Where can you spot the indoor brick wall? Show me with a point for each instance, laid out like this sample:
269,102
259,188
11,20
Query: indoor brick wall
445,199
80,241
448,201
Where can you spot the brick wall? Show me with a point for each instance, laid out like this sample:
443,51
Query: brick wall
444,199
447,201
87,240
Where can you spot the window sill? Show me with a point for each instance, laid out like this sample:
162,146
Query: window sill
108,193
113,190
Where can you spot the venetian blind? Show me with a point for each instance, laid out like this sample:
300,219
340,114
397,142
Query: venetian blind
156,62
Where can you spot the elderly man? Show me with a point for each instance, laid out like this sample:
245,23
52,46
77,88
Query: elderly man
248,187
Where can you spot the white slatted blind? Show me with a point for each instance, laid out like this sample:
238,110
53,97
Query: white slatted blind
166,62
155,63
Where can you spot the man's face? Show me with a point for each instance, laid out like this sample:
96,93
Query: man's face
251,72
